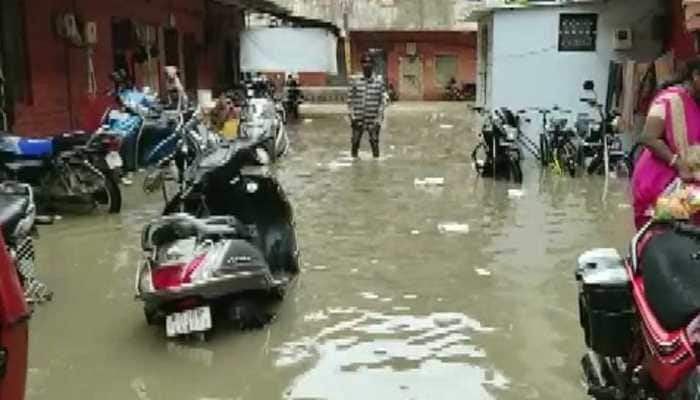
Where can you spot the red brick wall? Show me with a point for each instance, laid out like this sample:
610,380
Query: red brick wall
680,40
429,45
313,79
58,92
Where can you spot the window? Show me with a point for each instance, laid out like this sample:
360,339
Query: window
13,59
445,69
578,32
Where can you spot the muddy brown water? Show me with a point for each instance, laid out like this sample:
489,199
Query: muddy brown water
388,306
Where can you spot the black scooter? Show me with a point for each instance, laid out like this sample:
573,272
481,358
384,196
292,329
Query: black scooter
225,249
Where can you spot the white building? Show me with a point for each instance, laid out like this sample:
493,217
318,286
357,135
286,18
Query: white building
538,55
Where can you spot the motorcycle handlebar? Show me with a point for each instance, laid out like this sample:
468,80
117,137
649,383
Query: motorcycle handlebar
687,229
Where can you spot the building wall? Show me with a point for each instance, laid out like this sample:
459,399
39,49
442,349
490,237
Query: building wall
429,45
528,70
58,73
416,15
680,40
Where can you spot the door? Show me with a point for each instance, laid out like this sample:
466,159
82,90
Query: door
191,65
172,48
411,85
380,62
14,314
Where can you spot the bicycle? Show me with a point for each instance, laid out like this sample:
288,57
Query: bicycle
557,151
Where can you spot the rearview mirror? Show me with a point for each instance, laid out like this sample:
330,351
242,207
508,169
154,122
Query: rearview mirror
589,86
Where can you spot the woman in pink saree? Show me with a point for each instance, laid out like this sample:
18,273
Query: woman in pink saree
671,139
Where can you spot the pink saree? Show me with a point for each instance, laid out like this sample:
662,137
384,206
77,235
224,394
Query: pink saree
651,175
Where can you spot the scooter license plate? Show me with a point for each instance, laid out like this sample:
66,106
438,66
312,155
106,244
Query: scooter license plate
189,321
114,160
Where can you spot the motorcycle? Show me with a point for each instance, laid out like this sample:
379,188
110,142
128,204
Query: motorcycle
292,102
498,154
192,139
603,147
18,221
69,169
460,91
225,249
261,120
641,316
140,121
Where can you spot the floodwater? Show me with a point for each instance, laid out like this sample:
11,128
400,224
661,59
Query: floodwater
459,291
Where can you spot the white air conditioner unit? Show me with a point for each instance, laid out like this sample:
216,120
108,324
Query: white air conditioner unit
622,39
411,49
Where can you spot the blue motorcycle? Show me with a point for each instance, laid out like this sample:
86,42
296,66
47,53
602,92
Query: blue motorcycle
63,169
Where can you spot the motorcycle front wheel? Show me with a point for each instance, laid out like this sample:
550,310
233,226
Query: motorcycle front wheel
481,158
516,171
87,187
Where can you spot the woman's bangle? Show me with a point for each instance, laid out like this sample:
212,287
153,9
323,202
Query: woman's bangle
674,161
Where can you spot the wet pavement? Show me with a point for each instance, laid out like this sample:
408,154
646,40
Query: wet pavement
463,290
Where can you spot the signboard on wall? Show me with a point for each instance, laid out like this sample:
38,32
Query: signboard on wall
291,50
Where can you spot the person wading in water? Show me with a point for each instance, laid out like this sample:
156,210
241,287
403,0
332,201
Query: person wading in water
366,103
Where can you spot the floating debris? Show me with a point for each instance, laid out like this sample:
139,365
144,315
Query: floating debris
482,272
374,262
453,227
429,181
320,268
410,296
446,126
415,232
333,165
515,193
623,206
308,120
369,295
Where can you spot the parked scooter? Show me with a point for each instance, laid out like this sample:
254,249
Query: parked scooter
641,316
498,155
262,121
18,221
64,169
14,331
225,249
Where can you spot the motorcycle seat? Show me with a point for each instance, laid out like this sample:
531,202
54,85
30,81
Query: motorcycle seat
13,208
26,147
69,140
671,271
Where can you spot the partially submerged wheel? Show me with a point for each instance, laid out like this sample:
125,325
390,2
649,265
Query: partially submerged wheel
480,158
516,171
100,189
567,159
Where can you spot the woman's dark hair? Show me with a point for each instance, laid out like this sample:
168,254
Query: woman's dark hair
691,66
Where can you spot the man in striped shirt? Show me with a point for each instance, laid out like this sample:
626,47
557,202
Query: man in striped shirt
366,103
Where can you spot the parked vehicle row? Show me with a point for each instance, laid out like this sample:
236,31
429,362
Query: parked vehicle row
593,145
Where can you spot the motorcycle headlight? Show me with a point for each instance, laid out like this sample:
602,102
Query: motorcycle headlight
511,133
251,187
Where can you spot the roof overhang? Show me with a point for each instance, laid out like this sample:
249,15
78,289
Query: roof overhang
480,11
271,8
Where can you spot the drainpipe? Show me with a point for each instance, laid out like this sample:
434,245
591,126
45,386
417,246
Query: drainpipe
348,48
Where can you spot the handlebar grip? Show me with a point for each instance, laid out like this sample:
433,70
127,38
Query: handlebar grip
688,229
